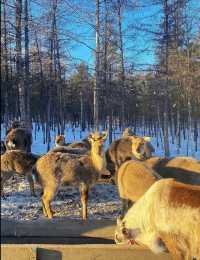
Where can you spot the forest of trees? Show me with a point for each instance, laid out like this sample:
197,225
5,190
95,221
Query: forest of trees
43,81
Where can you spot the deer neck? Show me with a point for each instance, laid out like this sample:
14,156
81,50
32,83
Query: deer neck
98,159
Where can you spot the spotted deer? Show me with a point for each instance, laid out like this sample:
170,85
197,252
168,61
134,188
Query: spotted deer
20,163
55,169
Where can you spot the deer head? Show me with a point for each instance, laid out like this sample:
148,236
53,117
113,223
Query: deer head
141,147
97,141
124,235
60,140
97,155
127,132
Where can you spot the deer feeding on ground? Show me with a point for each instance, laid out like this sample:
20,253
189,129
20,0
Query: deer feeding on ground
166,217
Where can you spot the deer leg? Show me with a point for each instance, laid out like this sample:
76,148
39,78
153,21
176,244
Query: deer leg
124,207
116,175
84,198
47,197
2,184
44,209
31,184
170,243
129,204
126,204
4,177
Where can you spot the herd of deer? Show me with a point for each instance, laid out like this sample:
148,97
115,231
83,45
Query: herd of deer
160,196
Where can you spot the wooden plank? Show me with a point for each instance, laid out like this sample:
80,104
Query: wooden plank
60,227
18,252
78,252
55,240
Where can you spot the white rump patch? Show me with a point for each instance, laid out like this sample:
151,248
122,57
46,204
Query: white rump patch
147,138
10,144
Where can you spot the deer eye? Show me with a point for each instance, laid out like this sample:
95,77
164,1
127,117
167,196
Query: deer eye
124,231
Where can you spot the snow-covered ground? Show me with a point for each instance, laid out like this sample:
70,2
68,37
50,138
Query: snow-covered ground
103,202
18,204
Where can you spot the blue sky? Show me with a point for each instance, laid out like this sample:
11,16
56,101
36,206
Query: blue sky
77,18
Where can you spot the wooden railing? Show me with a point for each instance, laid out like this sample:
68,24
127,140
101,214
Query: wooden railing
61,239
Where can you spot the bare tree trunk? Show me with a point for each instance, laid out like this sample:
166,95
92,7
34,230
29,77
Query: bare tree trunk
6,118
97,72
19,62
165,116
51,72
122,72
27,72
61,115
105,63
110,113
178,138
81,121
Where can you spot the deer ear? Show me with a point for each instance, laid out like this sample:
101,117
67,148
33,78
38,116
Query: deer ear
90,136
147,138
104,135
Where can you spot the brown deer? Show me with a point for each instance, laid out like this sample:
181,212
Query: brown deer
17,162
167,216
54,169
60,141
183,169
126,148
135,177
18,138
83,144
127,132
66,149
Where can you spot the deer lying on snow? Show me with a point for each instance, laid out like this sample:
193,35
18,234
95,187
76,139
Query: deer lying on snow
54,169
17,162
18,138
167,216
126,148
